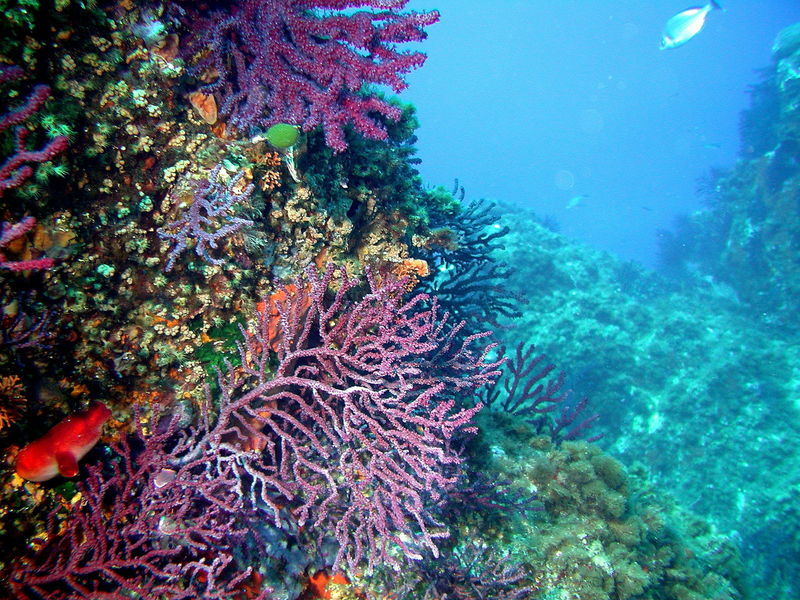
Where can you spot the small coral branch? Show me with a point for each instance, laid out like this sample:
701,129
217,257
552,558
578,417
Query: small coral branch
208,219
482,491
26,326
10,232
306,62
12,400
529,393
14,171
470,280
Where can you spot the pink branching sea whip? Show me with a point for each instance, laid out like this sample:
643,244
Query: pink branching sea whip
15,170
355,423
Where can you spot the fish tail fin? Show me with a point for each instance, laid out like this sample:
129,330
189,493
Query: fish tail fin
715,4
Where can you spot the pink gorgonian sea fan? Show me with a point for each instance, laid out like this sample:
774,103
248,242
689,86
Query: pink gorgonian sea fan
306,62
346,439
352,431
157,520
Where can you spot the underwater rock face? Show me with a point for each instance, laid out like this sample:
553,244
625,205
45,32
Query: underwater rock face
686,380
787,42
601,531
747,238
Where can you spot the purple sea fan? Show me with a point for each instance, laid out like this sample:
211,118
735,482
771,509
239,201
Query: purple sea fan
208,218
527,393
306,62
354,426
144,527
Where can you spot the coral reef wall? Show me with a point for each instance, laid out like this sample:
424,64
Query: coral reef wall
284,338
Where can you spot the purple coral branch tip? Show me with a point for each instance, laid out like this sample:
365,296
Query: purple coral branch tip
10,232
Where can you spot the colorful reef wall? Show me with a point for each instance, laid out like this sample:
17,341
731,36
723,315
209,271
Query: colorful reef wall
246,354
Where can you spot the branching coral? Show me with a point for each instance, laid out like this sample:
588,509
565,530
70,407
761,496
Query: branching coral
145,527
351,433
305,62
470,278
12,400
15,170
208,219
527,391
356,422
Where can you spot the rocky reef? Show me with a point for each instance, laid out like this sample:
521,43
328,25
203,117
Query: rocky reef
293,338
687,382
747,237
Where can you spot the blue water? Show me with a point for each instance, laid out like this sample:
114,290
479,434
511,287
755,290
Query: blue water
541,102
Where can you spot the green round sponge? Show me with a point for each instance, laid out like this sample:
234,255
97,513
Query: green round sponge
283,135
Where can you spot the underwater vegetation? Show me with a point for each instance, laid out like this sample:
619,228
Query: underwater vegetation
289,356
286,62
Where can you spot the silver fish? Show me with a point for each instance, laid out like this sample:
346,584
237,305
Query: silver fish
685,25
576,201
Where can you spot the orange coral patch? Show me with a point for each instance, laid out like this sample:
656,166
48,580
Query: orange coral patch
412,268
272,311
168,48
318,584
223,131
252,587
205,105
